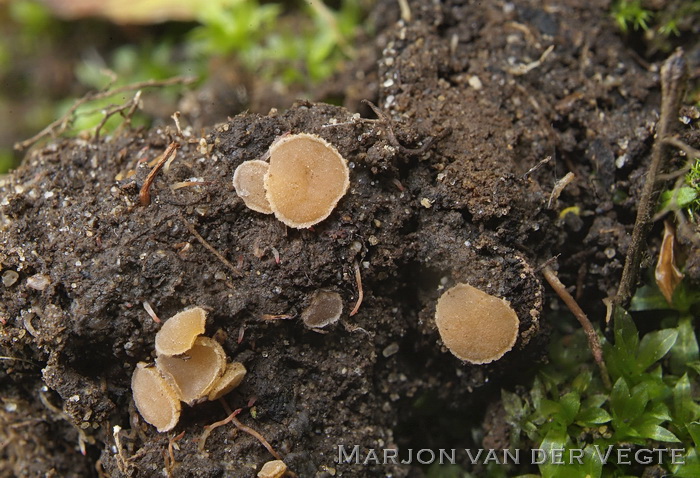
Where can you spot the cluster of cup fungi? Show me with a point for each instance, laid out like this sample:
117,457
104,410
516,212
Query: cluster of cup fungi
300,180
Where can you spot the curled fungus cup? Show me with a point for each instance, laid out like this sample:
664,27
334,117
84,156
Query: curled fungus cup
194,373
155,399
178,333
249,183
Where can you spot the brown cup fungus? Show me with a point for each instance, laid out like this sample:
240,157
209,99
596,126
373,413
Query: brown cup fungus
306,179
180,331
233,376
189,368
194,373
325,309
155,399
476,326
248,181
273,469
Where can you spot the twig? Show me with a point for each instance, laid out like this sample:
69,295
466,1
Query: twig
209,247
525,68
672,85
176,118
537,166
122,461
580,315
559,187
144,194
384,120
61,124
360,292
689,151
110,111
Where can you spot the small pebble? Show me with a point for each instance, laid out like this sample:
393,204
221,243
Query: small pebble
9,278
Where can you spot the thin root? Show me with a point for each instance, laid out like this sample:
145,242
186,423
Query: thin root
256,435
386,122
209,247
150,312
360,292
170,460
201,441
591,335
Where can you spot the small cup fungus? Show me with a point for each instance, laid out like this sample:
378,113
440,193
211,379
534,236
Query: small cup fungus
194,373
233,376
306,179
180,331
248,180
273,469
476,326
325,309
155,398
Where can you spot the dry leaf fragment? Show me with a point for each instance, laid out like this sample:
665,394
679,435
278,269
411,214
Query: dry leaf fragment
667,274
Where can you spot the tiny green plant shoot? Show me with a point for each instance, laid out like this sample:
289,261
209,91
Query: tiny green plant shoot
686,196
652,403
307,49
675,17
631,14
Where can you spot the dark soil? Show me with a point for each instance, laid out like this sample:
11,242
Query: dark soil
443,190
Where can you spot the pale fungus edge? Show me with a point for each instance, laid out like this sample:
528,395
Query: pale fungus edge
178,333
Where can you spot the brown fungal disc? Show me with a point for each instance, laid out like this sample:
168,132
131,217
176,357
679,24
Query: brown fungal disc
273,469
155,398
180,331
194,374
232,377
476,326
325,309
248,181
306,179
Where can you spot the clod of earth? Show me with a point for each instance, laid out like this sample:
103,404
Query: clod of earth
249,183
325,309
476,326
156,400
273,469
306,179
195,373
180,331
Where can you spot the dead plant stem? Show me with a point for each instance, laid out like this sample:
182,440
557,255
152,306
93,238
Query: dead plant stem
62,123
672,86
